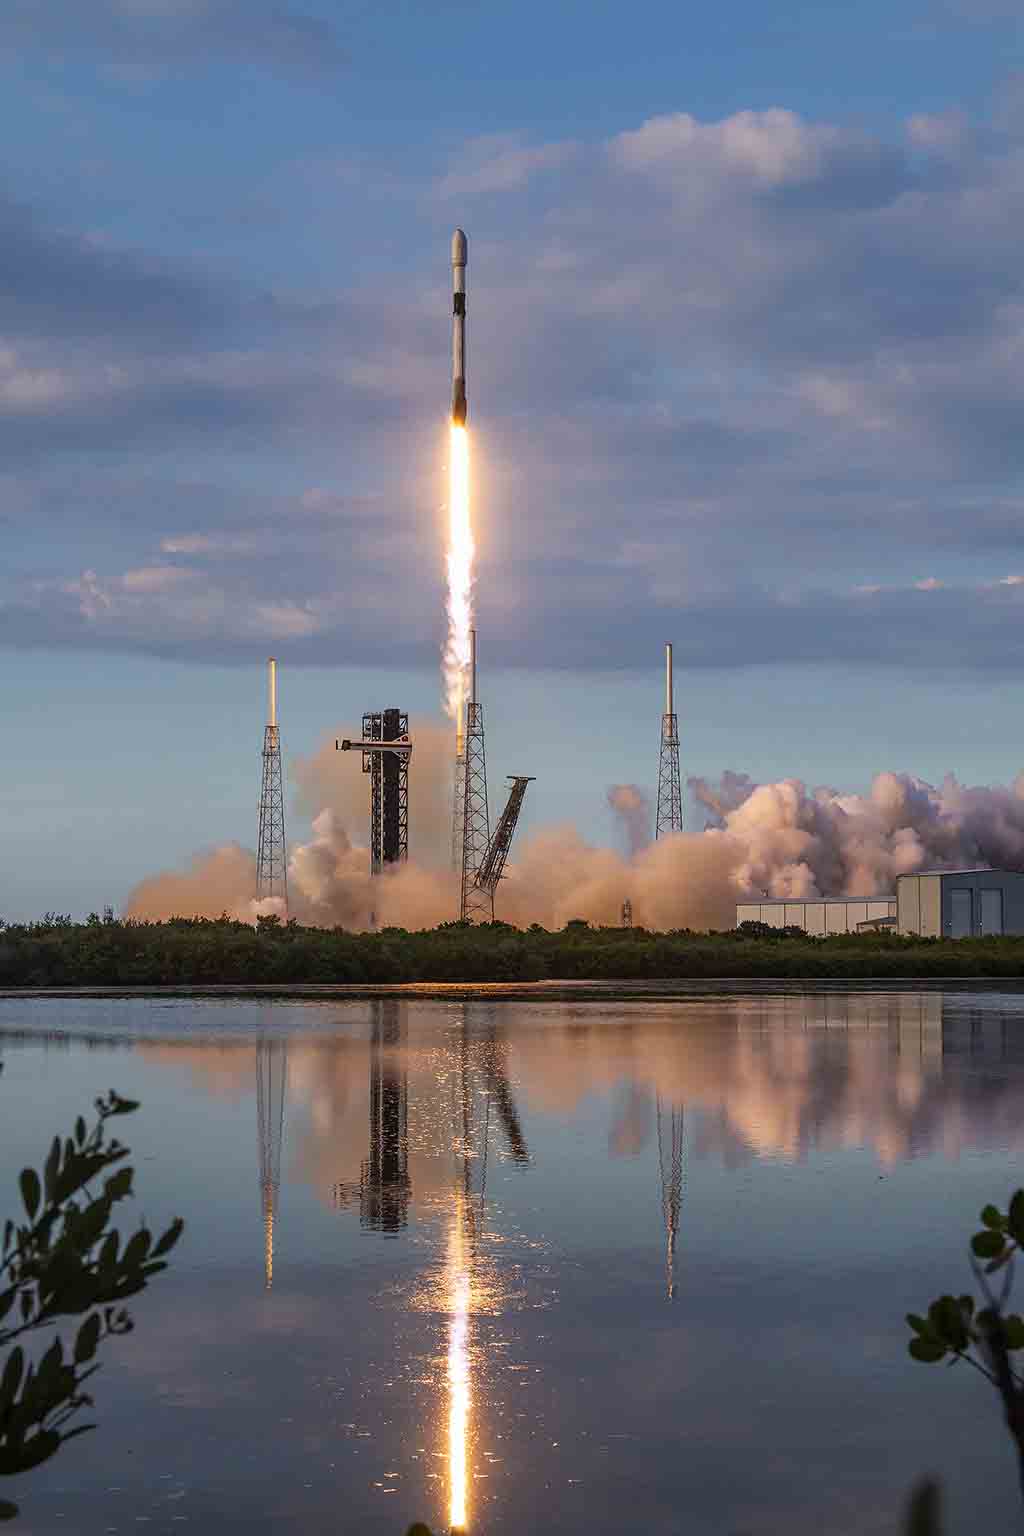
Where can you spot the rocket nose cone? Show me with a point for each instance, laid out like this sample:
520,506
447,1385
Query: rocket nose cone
460,249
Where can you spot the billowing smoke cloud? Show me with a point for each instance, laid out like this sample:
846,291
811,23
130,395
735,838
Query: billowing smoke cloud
633,808
800,843
773,839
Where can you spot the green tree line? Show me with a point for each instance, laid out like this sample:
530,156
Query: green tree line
56,952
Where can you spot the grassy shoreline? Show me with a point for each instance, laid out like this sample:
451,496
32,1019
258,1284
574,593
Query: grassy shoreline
56,953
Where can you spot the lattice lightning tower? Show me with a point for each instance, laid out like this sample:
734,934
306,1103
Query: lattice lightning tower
670,794
272,854
475,905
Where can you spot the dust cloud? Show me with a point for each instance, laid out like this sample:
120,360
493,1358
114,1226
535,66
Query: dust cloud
778,840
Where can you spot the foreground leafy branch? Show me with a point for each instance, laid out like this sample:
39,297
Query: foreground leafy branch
63,1261
985,1337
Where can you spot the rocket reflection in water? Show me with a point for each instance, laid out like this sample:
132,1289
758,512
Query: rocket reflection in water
479,1065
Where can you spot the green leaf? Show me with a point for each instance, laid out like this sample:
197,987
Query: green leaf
928,1351
30,1191
50,1170
39,1449
118,1106
1016,1216
49,1367
137,1249
994,1218
80,1130
11,1379
119,1184
7,1299
169,1238
987,1245
1013,1331
920,1325
7,1511
88,1337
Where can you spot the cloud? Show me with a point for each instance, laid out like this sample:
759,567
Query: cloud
501,163
738,381
149,37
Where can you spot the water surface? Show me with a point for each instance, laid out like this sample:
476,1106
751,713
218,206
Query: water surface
575,1265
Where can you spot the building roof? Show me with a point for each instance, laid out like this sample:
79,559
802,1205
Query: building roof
795,901
974,869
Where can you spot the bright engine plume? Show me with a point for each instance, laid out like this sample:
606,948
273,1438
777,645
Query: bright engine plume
460,527
461,551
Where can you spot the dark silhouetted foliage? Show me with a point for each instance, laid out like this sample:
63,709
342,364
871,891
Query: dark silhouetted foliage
65,1260
986,1337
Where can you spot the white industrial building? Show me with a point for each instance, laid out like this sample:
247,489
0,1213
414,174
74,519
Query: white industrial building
821,914
960,903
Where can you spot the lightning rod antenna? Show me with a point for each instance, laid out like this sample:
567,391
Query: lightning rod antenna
669,816
272,851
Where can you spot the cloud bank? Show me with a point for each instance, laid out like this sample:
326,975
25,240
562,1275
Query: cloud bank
753,382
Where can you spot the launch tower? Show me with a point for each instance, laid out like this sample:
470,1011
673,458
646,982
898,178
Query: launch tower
670,795
271,857
475,905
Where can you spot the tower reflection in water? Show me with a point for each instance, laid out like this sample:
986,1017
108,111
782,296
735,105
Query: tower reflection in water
271,1088
384,1189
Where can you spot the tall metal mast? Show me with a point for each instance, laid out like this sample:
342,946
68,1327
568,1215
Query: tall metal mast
271,1077
272,853
670,794
475,903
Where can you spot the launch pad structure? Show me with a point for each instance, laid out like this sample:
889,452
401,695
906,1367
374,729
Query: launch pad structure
478,856
669,816
272,852
475,903
386,749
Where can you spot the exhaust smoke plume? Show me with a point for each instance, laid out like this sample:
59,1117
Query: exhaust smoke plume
777,839
633,809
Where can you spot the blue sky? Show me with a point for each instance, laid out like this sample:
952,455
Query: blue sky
745,371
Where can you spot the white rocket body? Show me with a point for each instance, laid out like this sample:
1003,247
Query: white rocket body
459,254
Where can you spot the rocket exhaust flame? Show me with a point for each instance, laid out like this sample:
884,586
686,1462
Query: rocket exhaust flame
461,551
460,528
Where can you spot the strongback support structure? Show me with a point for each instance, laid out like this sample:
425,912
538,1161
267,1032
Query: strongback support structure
271,857
384,1189
475,905
493,863
669,817
389,789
